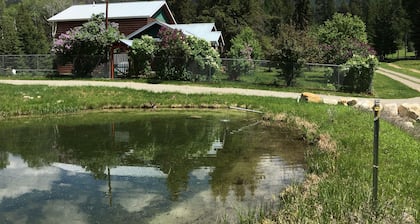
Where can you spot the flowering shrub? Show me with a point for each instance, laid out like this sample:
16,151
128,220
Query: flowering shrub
141,54
203,56
86,46
359,75
245,47
293,49
242,62
341,37
179,56
339,51
173,55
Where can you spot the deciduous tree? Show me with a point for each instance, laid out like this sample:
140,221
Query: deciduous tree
245,48
293,48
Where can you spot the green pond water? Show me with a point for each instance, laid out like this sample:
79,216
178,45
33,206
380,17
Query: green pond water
136,167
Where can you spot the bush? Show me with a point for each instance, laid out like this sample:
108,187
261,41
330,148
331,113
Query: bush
290,62
342,37
245,48
173,55
86,46
141,54
204,58
293,50
359,75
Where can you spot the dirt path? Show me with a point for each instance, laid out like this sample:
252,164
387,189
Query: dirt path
399,67
414,70
394,65
185,89
407,80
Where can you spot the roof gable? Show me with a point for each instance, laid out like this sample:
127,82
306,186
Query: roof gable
124,10
206,31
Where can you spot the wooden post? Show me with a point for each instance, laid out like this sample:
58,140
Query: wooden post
111,60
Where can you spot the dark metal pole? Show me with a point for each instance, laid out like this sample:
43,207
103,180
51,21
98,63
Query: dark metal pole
109,187
106,15
376,110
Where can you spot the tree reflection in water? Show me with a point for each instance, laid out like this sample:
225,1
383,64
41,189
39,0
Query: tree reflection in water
176,144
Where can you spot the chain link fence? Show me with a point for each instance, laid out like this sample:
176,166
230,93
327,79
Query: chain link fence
265,73
24,64
244,72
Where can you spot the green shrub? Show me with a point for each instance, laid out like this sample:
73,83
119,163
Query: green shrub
359,75
245,48
141,54
86,46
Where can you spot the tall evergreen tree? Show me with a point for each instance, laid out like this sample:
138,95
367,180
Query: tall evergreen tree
343,7
323,10
32,34
302,14
388,26
359,8
9,39
2,7
415,34
185,11
412,7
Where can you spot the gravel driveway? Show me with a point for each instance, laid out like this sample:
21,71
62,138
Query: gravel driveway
186,89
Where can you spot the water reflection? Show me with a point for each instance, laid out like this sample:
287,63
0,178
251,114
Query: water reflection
146,168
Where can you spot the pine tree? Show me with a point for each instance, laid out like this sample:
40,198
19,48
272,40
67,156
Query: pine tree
33,36
388,26
323,10
9,39
185,11
415,34
343,7
412,8
2,7
302,14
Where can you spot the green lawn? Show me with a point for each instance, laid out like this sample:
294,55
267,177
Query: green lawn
400,54
340,176
387,88
414,64
403,69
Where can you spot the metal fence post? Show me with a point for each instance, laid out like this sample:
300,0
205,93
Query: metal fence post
2,64
376,110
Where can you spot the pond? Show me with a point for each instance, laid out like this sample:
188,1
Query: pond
143,167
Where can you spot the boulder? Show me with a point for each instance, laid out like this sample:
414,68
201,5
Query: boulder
351,102
365,105
311,97
411,111
408,125
391,109
342,102
331,101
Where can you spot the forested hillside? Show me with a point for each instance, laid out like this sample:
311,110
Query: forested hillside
390,24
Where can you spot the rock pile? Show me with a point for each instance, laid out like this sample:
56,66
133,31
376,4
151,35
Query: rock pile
405,114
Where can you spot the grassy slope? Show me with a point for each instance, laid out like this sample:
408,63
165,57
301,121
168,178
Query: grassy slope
400,55
403,69
387,88
414,64
342,196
